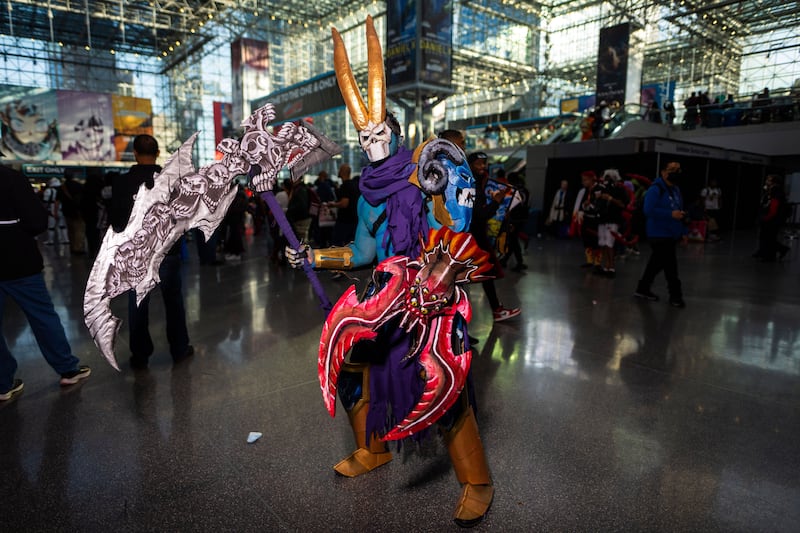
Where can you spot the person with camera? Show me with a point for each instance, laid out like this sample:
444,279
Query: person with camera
666,226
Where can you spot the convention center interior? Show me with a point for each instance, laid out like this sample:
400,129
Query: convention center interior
399,265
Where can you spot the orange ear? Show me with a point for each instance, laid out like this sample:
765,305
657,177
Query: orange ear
347,83
376,80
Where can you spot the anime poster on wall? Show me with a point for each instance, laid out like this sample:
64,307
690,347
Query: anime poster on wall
29,126
132,117
86,126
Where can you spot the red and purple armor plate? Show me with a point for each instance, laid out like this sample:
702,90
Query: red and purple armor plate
425,295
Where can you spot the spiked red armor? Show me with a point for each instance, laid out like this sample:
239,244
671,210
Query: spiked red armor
426,295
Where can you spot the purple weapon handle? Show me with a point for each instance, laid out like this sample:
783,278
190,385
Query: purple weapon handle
288,232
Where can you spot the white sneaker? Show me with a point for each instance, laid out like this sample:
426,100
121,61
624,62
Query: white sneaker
501,313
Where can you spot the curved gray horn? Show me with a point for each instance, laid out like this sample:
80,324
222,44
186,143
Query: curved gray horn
432,172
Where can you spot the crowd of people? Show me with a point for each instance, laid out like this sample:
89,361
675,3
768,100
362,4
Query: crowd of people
612,214
725,110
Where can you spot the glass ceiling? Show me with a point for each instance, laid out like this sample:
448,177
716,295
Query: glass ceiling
507,54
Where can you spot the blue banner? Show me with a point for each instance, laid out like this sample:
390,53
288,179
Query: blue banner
401,42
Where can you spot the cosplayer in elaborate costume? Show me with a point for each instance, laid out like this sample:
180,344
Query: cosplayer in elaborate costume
414,373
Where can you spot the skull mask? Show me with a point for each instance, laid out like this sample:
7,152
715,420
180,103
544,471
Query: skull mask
380,141
375,141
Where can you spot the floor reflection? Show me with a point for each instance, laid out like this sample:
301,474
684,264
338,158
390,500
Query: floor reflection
597,411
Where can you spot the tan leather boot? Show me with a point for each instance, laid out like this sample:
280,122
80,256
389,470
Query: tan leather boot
368,456
469,462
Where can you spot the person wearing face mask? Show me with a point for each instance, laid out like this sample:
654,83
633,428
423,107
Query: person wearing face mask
663,209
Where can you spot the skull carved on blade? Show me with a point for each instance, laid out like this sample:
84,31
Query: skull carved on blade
186,196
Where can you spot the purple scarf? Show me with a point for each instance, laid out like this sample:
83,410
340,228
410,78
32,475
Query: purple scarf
395,385
405,213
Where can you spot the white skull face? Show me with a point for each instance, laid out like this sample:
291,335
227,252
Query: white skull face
194,184
375,140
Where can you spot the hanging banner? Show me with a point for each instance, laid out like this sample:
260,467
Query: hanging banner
223,124
419,38
86,126
250,69
578,104
29,129
612,63
304,99
401,43
436,41
132,116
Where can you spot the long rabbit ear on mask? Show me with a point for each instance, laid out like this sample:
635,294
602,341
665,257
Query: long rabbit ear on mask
361,113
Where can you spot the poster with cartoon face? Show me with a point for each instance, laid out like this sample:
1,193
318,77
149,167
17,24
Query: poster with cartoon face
29,123
86,125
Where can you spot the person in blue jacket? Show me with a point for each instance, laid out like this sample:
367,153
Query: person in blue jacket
663,209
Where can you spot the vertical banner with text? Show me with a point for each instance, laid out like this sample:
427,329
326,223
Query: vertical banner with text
250,68
436,40
419,37
223,124
612,63
401,42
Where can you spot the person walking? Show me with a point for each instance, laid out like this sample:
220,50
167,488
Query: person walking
145,150
483,208
22,218
663,209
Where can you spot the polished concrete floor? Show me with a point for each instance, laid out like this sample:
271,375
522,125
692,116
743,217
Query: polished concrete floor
598,412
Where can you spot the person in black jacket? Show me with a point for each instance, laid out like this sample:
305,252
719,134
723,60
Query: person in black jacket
22,217
70,195
482,210
91,203
124,187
